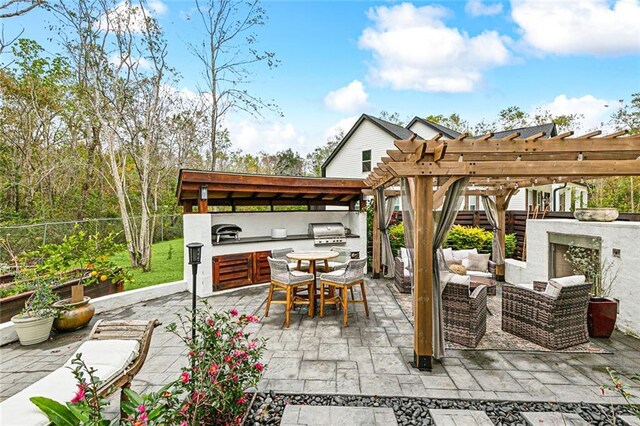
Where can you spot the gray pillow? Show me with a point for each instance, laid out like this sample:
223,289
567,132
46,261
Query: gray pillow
479,262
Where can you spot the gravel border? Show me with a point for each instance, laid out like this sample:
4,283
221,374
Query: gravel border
268,408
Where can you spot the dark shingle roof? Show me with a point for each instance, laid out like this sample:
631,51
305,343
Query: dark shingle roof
549,130
398,131
435,126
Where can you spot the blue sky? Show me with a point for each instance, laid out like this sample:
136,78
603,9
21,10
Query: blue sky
473,57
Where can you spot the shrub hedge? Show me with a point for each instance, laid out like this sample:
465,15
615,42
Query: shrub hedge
459,238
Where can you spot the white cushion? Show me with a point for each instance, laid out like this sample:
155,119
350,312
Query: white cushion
406,272
448,253
465,262
460,279
404,254
108,357
459,255
570,280
479,274
528,286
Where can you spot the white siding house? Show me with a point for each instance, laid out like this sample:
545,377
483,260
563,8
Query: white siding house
370,137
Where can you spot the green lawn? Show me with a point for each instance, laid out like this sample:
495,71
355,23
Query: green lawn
166,265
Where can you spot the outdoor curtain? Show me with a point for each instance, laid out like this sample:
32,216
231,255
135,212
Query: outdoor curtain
385,212
443,222
491,209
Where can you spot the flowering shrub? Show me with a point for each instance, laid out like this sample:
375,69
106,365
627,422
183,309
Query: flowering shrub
223,362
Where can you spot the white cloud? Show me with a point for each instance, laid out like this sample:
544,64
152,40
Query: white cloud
597,27
478,8
253,135
414,49
343,125
129,16
348,99
596,111
158,7
140,62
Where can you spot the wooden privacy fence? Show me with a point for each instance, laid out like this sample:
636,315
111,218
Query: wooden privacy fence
516,222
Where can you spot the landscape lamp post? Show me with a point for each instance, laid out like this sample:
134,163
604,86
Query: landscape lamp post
195,252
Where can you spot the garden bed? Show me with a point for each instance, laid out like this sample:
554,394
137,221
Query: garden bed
12,305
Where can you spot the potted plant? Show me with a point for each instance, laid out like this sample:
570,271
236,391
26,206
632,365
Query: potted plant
33,324
603,310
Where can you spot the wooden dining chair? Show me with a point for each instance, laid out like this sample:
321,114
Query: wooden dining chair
283,278
343,280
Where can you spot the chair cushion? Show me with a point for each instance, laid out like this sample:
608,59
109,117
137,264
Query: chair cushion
459,255
460,279
553,289
569,281
299,276
109,357
404,255
478,262
479,274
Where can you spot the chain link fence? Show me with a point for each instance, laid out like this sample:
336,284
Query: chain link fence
21,238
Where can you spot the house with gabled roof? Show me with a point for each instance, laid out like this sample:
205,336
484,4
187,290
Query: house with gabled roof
370,137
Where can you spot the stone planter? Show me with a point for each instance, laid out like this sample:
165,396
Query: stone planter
32,330
73,316
12,305
596,214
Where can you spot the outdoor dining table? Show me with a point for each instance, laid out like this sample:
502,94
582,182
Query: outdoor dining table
313,257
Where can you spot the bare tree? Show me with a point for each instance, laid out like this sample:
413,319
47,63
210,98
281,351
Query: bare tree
227,54
12,9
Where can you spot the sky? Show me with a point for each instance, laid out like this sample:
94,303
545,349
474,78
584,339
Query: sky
339,59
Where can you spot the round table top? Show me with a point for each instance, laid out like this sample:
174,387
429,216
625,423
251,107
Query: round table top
313,255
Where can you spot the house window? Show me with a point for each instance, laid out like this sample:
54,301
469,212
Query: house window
366,160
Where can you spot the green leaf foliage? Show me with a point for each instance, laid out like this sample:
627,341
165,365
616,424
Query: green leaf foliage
469,237
57,413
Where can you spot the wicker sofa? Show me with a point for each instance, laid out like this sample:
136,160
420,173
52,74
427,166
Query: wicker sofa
402,278
464,313
551,314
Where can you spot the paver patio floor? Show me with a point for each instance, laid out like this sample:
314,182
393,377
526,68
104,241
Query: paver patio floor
369,357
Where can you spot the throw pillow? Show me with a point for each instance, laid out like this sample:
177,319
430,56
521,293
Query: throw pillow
458,269
459,255
479,262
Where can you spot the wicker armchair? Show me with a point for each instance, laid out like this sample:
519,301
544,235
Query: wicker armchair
300,265
400,279
464,314
553,314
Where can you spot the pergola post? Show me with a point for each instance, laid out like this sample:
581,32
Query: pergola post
377,242
187,206
423,273
501,204
203,206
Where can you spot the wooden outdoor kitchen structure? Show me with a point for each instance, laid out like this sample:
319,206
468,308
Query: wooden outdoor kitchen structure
495,167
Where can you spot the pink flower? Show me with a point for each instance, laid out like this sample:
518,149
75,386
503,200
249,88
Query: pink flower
253,344
253,318
80,393
233,312
141,408
184,377
197,397
184,423
239,354
218,333
258,366
210,322
191,353
241,401
228,359
213,370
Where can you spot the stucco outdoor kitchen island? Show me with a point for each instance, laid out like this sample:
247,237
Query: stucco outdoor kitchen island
258,204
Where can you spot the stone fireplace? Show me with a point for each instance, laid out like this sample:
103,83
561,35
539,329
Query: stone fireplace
559,244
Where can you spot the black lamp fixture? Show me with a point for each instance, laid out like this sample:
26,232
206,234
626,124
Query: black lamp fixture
204,192
195,255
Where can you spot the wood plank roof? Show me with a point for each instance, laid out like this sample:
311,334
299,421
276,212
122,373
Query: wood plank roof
236,189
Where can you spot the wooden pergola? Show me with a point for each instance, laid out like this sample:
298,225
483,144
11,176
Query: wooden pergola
495,167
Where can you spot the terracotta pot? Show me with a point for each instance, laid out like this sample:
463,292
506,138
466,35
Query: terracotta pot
73,316
601,316
32,330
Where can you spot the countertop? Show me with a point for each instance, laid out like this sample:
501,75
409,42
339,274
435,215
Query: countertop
261,239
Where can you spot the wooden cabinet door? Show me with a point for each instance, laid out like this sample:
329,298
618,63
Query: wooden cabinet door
261,270
232,270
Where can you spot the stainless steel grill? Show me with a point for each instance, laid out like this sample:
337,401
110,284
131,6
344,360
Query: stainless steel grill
327,233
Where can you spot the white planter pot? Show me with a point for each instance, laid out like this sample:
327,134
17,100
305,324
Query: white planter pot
32,330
